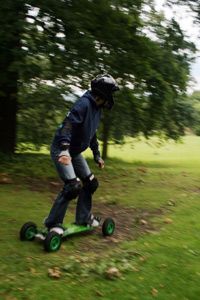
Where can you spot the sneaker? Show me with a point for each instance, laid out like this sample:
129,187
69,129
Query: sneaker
58,229
94,221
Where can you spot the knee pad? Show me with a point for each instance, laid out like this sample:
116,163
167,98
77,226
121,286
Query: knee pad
72,189
91,183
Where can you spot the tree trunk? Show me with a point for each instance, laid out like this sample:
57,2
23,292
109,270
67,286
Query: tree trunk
8,113
105,136
10,58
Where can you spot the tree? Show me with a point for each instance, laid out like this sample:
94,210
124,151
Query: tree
11,24
158,102
66,43
194,101
64,40
193,5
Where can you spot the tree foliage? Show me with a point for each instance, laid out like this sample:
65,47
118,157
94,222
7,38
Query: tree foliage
193,5
194,101
57,45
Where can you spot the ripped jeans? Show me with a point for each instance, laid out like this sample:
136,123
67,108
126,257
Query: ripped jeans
77,168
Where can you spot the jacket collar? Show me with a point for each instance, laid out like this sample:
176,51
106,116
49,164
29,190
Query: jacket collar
89,95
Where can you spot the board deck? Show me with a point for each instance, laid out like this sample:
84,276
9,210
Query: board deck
73,229
70,229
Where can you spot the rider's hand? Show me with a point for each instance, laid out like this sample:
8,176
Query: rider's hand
65,160
101,163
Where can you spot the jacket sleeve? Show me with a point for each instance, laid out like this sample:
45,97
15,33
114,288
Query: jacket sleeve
94,146
74,118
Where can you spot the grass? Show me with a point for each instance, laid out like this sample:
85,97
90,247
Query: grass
162,263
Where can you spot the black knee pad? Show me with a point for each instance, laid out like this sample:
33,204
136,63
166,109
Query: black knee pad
72,189
91,183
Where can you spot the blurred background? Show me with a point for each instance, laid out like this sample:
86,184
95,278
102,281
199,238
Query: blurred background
50,50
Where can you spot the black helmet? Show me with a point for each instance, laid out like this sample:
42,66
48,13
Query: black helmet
104,86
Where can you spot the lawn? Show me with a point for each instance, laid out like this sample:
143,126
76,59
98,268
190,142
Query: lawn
152,192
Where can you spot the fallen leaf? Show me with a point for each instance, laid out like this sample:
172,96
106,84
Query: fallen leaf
134,269
171,203
185,174
142,258
168,221
163,266
114,240
141,278
33,271
54,272
5,179
99,293
56,184
142,170
143,222
113,273
140,180
154,292
29,258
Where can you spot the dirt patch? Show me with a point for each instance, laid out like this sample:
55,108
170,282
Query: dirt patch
130,222
43,185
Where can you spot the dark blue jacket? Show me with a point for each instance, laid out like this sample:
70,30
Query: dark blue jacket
79,127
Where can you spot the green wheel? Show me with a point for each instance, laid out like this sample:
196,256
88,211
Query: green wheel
52,242
28,231
108,227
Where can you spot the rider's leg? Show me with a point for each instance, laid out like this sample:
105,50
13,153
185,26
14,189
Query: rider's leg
90,184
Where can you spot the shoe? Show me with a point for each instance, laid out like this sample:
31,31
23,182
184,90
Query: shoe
58,229
94,221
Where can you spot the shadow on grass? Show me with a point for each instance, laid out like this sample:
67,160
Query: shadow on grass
41,166
139,163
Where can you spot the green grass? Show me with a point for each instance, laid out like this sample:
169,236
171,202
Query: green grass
162,264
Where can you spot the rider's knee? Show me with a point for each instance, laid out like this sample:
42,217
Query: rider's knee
72,189
91,183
